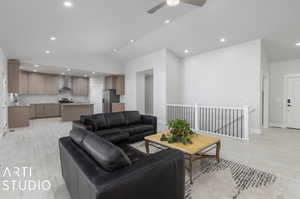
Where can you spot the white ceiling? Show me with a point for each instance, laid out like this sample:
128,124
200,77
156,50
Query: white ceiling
96,27
91,27
275,21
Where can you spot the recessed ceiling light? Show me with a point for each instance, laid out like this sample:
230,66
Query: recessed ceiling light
52,38
115,50
69,69
223,40
35,71
68,4
94,72
62,73
167,21
131,41
298,44
173,3
36,65
47,51
186,51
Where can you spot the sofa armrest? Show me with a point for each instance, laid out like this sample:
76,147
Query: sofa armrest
80,125
160,175
149,119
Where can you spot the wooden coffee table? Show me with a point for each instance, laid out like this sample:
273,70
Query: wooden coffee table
195,151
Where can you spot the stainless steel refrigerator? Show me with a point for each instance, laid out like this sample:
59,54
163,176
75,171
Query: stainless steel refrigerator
109,97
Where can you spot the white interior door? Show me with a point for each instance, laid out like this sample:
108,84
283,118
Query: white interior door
293,102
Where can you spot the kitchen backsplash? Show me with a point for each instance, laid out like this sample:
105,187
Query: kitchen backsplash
38,99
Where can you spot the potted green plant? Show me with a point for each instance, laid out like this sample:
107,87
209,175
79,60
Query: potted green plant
180,131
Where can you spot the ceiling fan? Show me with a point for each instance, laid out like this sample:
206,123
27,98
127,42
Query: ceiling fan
173,3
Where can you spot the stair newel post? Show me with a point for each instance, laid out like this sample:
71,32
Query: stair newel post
196,117
246,122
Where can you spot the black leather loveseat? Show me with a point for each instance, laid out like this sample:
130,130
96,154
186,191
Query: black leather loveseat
120,127
94,168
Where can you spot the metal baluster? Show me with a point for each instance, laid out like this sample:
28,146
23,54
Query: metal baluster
242,119
230,121
233,122
215,120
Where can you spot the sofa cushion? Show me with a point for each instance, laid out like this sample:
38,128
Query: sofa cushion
105,132
115,119
84,118
133,154
132,117
98,122
117,138
140,128
78,135
128,129
109,156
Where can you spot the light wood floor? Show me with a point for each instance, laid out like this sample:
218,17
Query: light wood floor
275,150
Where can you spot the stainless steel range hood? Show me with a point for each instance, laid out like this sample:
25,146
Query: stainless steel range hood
65,84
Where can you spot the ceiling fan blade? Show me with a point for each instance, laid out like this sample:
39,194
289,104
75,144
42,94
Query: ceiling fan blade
156,8
194,2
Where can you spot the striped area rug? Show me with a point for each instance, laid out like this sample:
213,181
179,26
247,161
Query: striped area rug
227,179
232,180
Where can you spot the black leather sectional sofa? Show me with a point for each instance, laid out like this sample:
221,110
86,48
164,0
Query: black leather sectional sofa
94,168
120,127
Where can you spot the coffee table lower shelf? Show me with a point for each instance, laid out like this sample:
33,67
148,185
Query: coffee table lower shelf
189,157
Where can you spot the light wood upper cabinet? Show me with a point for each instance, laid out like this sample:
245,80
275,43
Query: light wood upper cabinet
80,86
43,84
36,84
110,82
116,82
120,85
23,82
51,84
13,69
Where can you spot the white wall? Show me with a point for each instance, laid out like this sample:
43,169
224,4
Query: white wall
140,90
149,94
277,72
265,88
174,79
96,92
225,77
157,62
3,93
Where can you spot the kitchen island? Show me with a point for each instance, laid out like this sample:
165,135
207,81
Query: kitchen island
71,112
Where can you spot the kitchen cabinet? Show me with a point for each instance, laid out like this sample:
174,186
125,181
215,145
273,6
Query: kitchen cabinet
71,112
18,116
80,86
118,107
120,85
52,110
13,69
116,82
45,110
51,84
23,82
36,84
110,82
32,111
43,84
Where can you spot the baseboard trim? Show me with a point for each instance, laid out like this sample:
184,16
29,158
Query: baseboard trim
254,131
276,125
